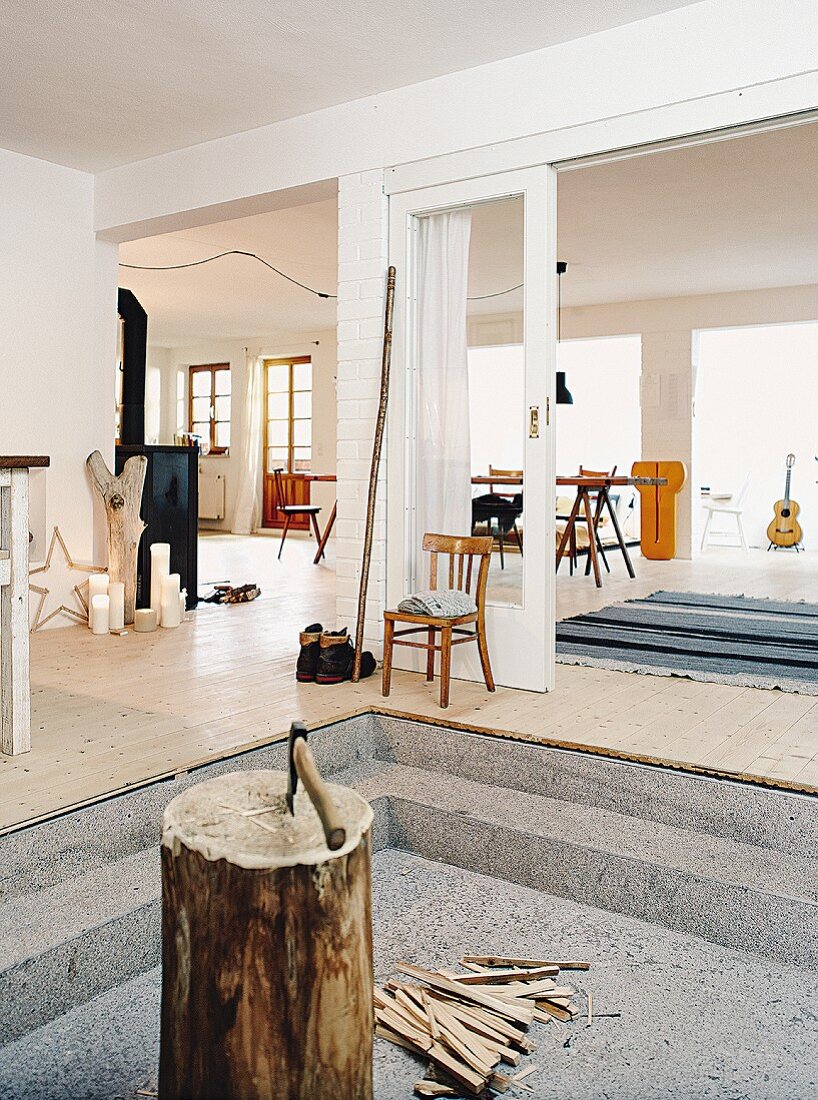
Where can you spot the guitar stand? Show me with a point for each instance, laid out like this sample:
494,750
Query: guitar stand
796,547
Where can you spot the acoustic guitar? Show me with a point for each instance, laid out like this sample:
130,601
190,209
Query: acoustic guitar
785,530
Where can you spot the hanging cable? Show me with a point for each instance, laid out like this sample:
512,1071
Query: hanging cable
283,274
219,256
496,294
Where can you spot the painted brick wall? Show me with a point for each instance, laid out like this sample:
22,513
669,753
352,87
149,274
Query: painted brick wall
362,262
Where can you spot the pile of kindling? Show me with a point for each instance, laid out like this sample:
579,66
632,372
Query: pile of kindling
468,1024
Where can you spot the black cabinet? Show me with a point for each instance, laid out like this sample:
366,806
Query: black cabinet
170,508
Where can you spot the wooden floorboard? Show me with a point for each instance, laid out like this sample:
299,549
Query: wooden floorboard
113,713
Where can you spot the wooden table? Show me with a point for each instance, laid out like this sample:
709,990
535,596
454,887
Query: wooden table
322,542
600,487
15,684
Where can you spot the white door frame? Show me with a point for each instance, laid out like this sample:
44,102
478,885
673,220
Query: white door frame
521,640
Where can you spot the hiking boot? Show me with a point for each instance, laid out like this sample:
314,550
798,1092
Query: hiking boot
336,659
307,663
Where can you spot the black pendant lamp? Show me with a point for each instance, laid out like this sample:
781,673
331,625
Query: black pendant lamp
564,396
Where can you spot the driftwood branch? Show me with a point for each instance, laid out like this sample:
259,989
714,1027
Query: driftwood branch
122,497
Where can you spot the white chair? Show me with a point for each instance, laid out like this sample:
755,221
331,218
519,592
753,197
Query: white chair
726,507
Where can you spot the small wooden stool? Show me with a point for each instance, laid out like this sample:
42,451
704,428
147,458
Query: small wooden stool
463,552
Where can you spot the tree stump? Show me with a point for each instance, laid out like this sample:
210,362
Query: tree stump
122,497
266,945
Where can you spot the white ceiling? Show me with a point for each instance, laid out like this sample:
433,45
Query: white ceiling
236,297
727,216
96,83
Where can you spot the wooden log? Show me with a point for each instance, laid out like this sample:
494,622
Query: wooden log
122,497
267,984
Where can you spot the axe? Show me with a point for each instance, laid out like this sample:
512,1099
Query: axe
302,766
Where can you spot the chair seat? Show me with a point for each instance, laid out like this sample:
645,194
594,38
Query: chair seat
300,509
725,509
430,620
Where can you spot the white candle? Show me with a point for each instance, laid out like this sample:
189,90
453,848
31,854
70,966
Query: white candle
99,614
116,608
160,567
97,586
170,615
144,620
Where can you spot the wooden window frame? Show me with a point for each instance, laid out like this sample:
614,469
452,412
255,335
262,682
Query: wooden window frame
210,368
287,361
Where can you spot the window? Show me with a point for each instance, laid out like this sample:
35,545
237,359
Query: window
180,402
209,406
288,437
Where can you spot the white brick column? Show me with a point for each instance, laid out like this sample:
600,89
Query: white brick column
362,261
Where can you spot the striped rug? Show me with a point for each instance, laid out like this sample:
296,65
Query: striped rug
719,639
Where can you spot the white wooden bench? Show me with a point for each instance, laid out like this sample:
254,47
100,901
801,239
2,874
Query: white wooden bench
15,687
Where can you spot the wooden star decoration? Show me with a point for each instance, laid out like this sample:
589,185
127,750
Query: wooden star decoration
43,593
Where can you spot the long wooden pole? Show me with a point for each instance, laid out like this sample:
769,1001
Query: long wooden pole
377,447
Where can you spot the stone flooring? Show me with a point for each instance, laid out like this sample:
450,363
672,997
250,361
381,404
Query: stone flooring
697,1020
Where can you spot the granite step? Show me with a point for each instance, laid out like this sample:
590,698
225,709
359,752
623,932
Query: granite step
739,895
69,942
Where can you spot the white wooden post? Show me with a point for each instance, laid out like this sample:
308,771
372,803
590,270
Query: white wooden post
15,688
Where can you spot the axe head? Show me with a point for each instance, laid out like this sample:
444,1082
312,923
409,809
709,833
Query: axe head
297,731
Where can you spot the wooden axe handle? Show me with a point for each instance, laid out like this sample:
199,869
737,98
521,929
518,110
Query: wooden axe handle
319,794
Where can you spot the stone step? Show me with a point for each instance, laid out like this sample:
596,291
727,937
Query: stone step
738,895
744,812
69,942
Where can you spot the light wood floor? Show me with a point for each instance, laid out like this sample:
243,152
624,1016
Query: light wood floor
116,712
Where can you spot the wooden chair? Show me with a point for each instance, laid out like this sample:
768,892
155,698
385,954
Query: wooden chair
463,553
290,511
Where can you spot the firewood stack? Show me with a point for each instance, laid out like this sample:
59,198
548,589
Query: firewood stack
468,1024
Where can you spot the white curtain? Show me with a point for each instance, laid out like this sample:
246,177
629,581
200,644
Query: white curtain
247,513
443,439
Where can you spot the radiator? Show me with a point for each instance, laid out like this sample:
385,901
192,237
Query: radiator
211,495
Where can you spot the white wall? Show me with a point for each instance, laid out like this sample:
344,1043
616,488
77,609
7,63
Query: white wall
57,345
497,407
667,328
757,400
681,57
602,428
171,361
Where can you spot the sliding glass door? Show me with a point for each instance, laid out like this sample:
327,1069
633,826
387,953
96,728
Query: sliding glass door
470,438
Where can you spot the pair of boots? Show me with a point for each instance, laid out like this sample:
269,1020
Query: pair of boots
327,656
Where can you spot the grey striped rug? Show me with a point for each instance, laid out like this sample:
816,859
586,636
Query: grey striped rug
719,639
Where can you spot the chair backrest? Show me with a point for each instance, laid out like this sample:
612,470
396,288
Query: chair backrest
494,471
463,551
281,488
742,493
585,472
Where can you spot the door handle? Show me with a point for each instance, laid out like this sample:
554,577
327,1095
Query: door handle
534,422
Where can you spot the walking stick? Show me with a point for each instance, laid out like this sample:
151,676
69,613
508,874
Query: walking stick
373,473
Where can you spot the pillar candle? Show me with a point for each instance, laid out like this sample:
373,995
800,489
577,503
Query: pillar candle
144,620
116,605
99,614
170,615
160,567
97,586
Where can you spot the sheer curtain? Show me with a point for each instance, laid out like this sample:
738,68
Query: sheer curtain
247,513
443,439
